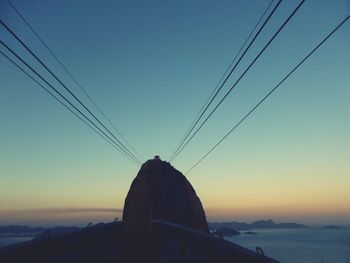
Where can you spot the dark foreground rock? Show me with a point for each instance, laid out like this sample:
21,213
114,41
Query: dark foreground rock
163,243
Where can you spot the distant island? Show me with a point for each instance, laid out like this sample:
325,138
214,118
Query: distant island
250,233
260,224
225,231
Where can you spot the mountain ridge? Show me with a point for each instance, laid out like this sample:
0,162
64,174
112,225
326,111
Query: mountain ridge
259,224
238,226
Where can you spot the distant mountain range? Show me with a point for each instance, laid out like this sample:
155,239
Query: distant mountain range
260,224
225,228
21,230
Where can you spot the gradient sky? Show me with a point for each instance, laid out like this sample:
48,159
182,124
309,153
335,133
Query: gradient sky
150,65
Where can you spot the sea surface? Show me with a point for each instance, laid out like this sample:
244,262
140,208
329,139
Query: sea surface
10,240
309,245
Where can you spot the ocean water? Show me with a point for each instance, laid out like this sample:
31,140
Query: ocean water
8,240
310,245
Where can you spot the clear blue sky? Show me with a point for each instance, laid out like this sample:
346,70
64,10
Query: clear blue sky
150,65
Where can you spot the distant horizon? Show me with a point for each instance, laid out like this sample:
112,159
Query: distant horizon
82,216
82,225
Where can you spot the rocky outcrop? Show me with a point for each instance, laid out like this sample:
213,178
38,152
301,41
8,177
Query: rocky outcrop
160,192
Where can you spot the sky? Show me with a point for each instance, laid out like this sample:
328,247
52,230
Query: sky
150,65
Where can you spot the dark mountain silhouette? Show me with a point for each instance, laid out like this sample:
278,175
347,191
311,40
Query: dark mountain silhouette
160,192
